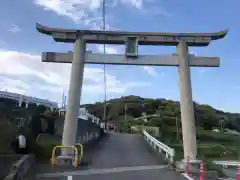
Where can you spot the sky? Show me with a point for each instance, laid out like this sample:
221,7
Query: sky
21,69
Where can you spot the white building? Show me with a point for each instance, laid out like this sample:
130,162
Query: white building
83,115
27,99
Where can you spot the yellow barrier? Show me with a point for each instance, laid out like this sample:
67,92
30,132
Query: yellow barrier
75,154
81,150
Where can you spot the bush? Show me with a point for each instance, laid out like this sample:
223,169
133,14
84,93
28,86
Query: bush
8,133
44,145
178,151
169,134
209,136
211,152
209,166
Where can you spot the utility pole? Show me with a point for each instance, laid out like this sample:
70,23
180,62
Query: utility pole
104,66
125,112
177,128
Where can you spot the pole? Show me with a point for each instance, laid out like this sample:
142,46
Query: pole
238,172
177,128
104,65
125,112
201,171
187,166
74,95
63,96
187,112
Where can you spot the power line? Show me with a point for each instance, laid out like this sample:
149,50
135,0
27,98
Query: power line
104,65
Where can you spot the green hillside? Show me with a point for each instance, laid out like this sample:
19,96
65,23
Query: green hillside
205,116
211,145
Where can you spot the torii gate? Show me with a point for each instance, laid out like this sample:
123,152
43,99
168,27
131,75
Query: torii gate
182,59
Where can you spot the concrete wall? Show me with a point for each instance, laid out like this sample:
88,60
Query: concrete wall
87,130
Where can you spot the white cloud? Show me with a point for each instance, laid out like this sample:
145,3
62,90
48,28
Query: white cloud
89,12
151,71
117,50
202,71
135,3
108,49
193,53
14,28
80,11
86,12
25,73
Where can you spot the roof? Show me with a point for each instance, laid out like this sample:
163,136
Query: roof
119,37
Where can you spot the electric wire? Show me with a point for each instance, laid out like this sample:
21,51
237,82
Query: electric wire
104,65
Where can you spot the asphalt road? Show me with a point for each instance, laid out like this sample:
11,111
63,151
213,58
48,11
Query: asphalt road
121,156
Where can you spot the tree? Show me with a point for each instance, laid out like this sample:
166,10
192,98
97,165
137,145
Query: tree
205,115
50,115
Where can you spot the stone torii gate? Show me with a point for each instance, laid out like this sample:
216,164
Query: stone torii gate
182,59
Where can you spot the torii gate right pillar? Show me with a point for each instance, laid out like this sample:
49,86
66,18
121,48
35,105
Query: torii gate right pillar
187,112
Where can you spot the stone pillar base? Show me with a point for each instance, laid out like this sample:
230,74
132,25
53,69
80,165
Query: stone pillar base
194,166
66,161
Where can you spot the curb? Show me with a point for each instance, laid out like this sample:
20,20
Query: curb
21,167
186,176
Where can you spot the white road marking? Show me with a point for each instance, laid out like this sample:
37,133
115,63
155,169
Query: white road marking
69,178
101,171
186,176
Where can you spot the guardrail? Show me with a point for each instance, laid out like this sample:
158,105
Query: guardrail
169,152
227,163
224,164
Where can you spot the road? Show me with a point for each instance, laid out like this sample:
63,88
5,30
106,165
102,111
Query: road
120,156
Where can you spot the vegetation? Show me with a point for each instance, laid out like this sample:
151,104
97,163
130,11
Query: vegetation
206,116
210,144
14,119
169,123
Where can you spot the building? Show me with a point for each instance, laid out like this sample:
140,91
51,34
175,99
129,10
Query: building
27,99
83,115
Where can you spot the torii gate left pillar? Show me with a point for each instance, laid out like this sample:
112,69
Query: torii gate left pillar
75,88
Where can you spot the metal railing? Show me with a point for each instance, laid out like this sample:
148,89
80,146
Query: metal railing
224,163
79,146
169,152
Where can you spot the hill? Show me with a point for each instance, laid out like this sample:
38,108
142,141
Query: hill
206,116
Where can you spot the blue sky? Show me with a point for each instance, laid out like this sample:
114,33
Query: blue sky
20,46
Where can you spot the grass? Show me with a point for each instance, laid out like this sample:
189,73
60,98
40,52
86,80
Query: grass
211,145
44,145
211,152
210,166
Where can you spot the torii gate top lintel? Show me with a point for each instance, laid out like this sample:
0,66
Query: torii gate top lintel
119,37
